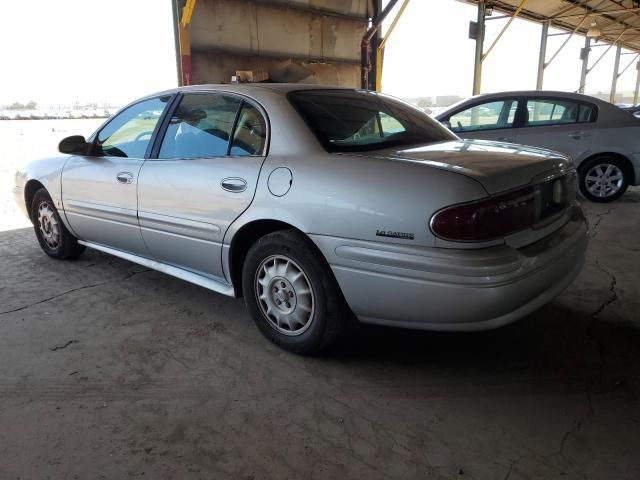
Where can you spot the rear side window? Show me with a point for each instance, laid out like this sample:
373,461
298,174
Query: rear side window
487,116
250,133
200,127
557,112
356,120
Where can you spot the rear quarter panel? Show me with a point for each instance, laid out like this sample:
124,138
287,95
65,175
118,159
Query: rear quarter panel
359,197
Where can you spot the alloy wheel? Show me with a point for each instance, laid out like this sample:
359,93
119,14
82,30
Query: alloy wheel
604,180
285,295
48,225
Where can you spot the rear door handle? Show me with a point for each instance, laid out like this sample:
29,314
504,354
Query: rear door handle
505,139
124,177
234,184
579,135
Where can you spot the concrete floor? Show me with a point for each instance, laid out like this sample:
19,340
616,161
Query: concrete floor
111,371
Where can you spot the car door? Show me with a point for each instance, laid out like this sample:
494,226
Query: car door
489,120
201,177
563,125
99,190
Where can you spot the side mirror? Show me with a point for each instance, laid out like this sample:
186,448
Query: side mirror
447,124
74,145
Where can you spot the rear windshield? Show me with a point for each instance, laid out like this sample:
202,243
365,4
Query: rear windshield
357,120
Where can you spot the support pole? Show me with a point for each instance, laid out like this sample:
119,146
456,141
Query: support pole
176,38
585,64
185,42
477,65
635,94
543,54
614,82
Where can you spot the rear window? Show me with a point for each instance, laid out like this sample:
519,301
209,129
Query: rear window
357,120
556,112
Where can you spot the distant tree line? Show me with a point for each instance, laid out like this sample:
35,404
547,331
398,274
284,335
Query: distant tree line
30,105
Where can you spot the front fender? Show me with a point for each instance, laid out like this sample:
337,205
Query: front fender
47,172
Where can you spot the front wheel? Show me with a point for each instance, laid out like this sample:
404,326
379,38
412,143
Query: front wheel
53,237
603,179
292,294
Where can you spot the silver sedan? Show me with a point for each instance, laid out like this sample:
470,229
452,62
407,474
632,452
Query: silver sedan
318,205
600,138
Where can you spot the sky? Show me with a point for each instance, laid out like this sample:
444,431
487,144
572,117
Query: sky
63,51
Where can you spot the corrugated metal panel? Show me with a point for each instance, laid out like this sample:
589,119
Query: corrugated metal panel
251,34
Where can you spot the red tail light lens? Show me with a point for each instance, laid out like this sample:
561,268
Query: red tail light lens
488,219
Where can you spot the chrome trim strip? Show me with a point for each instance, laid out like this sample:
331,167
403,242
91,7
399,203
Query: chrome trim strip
101,212
180,226
186,275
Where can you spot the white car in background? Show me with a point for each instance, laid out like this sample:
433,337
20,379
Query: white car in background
602,140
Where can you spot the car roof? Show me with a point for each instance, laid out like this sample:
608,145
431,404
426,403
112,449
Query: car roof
249,88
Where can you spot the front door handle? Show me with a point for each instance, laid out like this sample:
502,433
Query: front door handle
124,177
234,184
505,139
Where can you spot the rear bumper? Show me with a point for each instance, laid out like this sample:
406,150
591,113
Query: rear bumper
463,290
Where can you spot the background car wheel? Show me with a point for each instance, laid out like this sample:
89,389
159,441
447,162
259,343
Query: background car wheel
53,236
603,179
292,294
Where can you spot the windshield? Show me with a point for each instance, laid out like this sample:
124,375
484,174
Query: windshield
357,120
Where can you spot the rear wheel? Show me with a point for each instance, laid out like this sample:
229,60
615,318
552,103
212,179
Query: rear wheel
292,294
53,237
603,179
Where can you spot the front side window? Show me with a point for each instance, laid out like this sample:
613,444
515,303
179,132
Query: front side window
557,112
128,134
356,120
200,127
488,116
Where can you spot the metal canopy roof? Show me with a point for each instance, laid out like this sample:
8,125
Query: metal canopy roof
619,20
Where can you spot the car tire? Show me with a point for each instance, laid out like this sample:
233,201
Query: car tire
603,179
292,294
53,236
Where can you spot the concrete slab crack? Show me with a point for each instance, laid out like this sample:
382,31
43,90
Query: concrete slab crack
63,346
600,216
613,296
53,297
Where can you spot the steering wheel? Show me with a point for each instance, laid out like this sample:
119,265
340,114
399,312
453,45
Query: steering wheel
140,135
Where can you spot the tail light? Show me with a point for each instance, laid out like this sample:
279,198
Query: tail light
500,215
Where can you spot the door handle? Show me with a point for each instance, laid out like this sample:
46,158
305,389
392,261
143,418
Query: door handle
124,177
505,139
579,135
234,184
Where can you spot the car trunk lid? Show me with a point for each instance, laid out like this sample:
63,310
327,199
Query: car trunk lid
497,166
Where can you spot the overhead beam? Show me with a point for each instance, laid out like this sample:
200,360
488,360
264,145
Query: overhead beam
598,14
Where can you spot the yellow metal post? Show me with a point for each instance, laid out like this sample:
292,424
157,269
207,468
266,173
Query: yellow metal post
185,42
380,49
